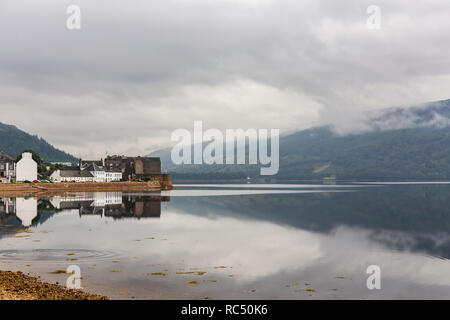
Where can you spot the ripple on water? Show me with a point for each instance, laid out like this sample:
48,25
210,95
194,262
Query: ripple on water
58,255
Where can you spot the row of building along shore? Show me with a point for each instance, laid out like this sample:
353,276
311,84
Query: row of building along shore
111,169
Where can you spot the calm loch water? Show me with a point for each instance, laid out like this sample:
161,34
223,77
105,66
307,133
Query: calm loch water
238,241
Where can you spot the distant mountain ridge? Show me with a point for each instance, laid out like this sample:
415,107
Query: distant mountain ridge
399,144
13,141
433,114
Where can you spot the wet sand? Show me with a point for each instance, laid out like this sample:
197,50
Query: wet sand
18,286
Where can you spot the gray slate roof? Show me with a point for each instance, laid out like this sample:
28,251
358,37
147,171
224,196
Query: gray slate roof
95,167
6,157
76,174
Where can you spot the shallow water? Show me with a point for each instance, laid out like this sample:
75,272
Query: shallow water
238,241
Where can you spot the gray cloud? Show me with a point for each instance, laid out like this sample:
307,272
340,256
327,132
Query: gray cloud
139,69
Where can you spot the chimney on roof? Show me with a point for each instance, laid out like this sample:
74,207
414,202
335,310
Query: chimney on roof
27,155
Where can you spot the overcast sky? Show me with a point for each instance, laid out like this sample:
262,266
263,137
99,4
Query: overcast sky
137,70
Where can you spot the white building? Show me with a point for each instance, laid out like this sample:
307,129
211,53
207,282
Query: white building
102,173
87,173
72,176
26,168
97,171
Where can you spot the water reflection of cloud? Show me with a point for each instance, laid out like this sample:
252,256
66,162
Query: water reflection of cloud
438,243
256,250
351,250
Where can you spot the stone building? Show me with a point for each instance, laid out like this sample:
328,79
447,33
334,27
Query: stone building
7,168
135,167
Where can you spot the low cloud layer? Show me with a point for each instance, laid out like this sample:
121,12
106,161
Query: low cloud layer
137,70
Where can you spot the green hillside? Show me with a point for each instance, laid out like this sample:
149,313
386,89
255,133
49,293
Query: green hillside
418,152
13,141
404,154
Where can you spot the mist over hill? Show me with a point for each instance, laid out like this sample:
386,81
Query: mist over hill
13,141
397,144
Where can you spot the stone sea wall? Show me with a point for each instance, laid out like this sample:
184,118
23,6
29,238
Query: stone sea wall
158,182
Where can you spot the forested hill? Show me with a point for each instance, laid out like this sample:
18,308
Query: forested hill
403,154
400,144
13,141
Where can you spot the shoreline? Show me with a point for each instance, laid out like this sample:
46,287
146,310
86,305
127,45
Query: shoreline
36,189
19,286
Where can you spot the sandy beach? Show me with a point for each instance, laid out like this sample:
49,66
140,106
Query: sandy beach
19,286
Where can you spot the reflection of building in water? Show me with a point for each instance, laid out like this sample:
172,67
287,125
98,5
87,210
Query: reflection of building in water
26,210
22,208
96,199
140,207
112,204
108,204
7,206
7,168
